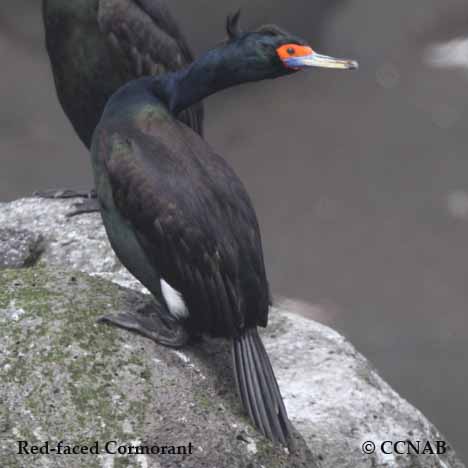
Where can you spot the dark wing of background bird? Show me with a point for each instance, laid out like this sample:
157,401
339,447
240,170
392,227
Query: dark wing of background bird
194,220
146,33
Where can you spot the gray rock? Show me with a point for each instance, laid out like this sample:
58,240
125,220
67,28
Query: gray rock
19,248
78,243
64,377
335,398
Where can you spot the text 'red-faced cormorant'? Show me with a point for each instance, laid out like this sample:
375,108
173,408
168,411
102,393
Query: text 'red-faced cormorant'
181,221
96,46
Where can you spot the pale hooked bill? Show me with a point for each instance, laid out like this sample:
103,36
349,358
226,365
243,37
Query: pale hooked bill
174,301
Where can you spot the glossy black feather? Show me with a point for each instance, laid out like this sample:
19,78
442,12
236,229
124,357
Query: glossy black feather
258,388
96,46
233,28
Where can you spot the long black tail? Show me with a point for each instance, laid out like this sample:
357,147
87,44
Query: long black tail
257,387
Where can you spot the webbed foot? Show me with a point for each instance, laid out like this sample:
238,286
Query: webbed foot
65,193
153,323
89,205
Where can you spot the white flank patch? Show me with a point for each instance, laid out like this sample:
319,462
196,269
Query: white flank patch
451,54
174,301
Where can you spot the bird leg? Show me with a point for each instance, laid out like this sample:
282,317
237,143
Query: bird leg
153,322
90,203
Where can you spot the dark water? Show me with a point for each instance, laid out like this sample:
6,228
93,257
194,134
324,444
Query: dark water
360,179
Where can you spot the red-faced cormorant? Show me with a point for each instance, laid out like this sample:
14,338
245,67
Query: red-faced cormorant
96,46
181,221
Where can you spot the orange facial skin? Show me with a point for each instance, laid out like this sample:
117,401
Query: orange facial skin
293,50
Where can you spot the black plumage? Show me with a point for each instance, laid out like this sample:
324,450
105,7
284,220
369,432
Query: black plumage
176,212
96,46
190,212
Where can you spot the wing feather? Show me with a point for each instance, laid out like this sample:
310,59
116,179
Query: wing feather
145,34
196,222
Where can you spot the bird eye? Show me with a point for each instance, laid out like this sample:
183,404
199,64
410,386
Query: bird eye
291,51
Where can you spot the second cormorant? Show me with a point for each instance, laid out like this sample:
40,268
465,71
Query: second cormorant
96,46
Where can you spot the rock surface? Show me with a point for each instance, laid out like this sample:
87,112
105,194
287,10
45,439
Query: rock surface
19,248
64,377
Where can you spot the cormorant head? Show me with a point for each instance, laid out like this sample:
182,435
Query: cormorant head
271,52
265,53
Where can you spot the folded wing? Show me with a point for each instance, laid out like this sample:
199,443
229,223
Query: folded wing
145,32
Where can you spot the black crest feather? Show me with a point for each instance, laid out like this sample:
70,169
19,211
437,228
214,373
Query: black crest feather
233,25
